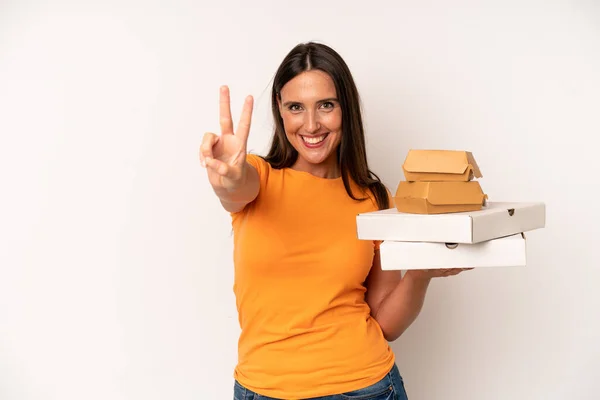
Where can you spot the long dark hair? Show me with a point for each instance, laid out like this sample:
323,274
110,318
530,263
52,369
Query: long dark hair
352,155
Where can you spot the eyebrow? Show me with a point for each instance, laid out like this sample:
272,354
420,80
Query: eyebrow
287,103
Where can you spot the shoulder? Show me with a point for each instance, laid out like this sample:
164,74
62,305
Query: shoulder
257,161
391,204
383,191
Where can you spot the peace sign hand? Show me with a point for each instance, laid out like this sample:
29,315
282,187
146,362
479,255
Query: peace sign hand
224,156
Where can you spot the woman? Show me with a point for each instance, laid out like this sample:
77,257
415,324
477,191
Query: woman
315,308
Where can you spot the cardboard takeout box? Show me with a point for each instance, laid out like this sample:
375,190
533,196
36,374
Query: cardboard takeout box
495,220
509,251
439,197
440,165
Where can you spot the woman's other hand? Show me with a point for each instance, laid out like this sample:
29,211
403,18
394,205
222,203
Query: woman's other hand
426,274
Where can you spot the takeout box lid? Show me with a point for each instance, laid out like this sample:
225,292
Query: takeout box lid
440,165
494,220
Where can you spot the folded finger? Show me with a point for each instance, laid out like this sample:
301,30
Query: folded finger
208,142
223,169
455,271
445,272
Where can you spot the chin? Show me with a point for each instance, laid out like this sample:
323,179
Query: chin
318,160
314,161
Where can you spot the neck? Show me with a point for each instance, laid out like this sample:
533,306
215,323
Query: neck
328,169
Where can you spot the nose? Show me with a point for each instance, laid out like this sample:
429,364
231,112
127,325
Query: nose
311,122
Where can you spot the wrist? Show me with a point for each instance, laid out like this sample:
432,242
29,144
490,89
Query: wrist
234,188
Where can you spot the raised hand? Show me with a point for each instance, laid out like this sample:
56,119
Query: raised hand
224,156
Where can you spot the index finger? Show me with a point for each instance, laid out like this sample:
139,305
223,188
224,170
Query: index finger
225,111
245,119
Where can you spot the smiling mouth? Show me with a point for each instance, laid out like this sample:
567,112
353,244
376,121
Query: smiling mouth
314,139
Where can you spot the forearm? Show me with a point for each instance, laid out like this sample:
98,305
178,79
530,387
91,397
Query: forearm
236,198
399,309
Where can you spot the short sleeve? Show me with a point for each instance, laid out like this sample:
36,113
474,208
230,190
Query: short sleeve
261,166
377,243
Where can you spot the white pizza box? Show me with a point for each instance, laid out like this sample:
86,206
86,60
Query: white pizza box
495,220
509,251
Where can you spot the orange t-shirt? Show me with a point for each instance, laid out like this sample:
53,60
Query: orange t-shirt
306,329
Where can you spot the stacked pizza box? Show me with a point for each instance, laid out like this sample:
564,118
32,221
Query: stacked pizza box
442,218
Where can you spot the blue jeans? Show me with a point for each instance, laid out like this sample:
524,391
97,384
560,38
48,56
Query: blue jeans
391,387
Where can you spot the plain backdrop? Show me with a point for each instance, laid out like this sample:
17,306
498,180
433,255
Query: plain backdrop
115,256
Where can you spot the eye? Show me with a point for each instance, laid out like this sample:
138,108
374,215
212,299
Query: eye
328,105
294,107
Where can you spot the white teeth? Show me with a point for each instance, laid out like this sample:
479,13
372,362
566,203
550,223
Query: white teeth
313,140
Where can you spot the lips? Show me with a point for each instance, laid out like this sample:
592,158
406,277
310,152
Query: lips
314,141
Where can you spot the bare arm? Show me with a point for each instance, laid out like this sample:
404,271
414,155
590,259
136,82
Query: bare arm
233,180
236,200
396,301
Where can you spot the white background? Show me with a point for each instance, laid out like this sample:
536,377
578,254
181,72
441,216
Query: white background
115,256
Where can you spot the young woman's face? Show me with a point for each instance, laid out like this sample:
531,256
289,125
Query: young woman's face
312,118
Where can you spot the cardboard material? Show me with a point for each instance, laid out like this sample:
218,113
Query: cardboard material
440,165
503,252
493,221
439,197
